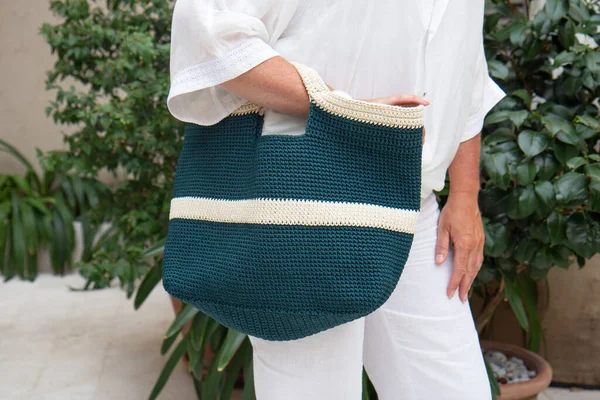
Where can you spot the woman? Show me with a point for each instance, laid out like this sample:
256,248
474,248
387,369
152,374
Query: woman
421,344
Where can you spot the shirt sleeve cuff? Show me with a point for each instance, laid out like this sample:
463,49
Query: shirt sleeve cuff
190,101
491,96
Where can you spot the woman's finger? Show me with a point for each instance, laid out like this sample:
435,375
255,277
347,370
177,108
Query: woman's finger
461,259
443,242
469,277
403,99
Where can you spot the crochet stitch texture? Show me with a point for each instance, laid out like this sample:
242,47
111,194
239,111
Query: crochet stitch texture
282,236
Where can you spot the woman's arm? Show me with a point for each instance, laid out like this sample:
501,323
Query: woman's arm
460,221
275,84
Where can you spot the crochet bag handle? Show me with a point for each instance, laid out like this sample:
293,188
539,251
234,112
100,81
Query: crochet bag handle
410,117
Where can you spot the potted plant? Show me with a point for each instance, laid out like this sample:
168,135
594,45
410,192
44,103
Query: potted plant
40,211
540,196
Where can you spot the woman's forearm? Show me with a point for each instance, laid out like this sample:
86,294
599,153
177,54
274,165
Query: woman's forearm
274,84
464,170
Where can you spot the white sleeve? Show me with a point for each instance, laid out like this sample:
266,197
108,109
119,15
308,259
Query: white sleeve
213,41
486,94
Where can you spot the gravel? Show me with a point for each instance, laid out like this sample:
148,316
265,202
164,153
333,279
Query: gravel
508,370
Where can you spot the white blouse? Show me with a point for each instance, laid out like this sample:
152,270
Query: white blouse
366,48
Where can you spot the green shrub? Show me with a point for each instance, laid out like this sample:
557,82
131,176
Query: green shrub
540,194
117,51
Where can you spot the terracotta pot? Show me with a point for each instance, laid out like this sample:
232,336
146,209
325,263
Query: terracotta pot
528,389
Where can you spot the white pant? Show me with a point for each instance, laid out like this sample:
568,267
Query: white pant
419,345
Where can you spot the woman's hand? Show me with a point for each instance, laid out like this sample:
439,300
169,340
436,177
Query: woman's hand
460,223
402,100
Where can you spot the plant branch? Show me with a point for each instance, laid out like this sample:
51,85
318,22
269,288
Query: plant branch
488,311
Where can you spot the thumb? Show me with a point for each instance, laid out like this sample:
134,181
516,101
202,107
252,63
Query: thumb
443,242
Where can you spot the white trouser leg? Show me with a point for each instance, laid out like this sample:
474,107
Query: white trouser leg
420,345
324,366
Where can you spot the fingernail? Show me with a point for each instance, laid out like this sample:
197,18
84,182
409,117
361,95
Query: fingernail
451,295
464,300
439,258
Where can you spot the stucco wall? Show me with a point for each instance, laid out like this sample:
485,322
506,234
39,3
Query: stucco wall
572,324
24,59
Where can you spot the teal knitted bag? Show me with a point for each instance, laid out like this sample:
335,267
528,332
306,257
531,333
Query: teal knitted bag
283,236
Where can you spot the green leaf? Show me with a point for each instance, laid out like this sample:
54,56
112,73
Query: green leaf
500,135
156,249
518,117
211,385
168,368
591,62
152,278
8,148
595,194
495,387
556,9
562,256
576,162
557,125
91,195
595,157
526,172
22,184
167,343
497,238
523,95
38,204
593,170
232,342
68,231
556,224
525,250
248,393
496,117
195,356
566,34
571,189
498,70
202,339
495,165
187,312
588,121
528,291
547,166
532,143
564,152
580,235
18,240
511,295
564,58
197,330
545,194
78,189
527,201
234,368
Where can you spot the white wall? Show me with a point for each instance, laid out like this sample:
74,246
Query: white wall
24,59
